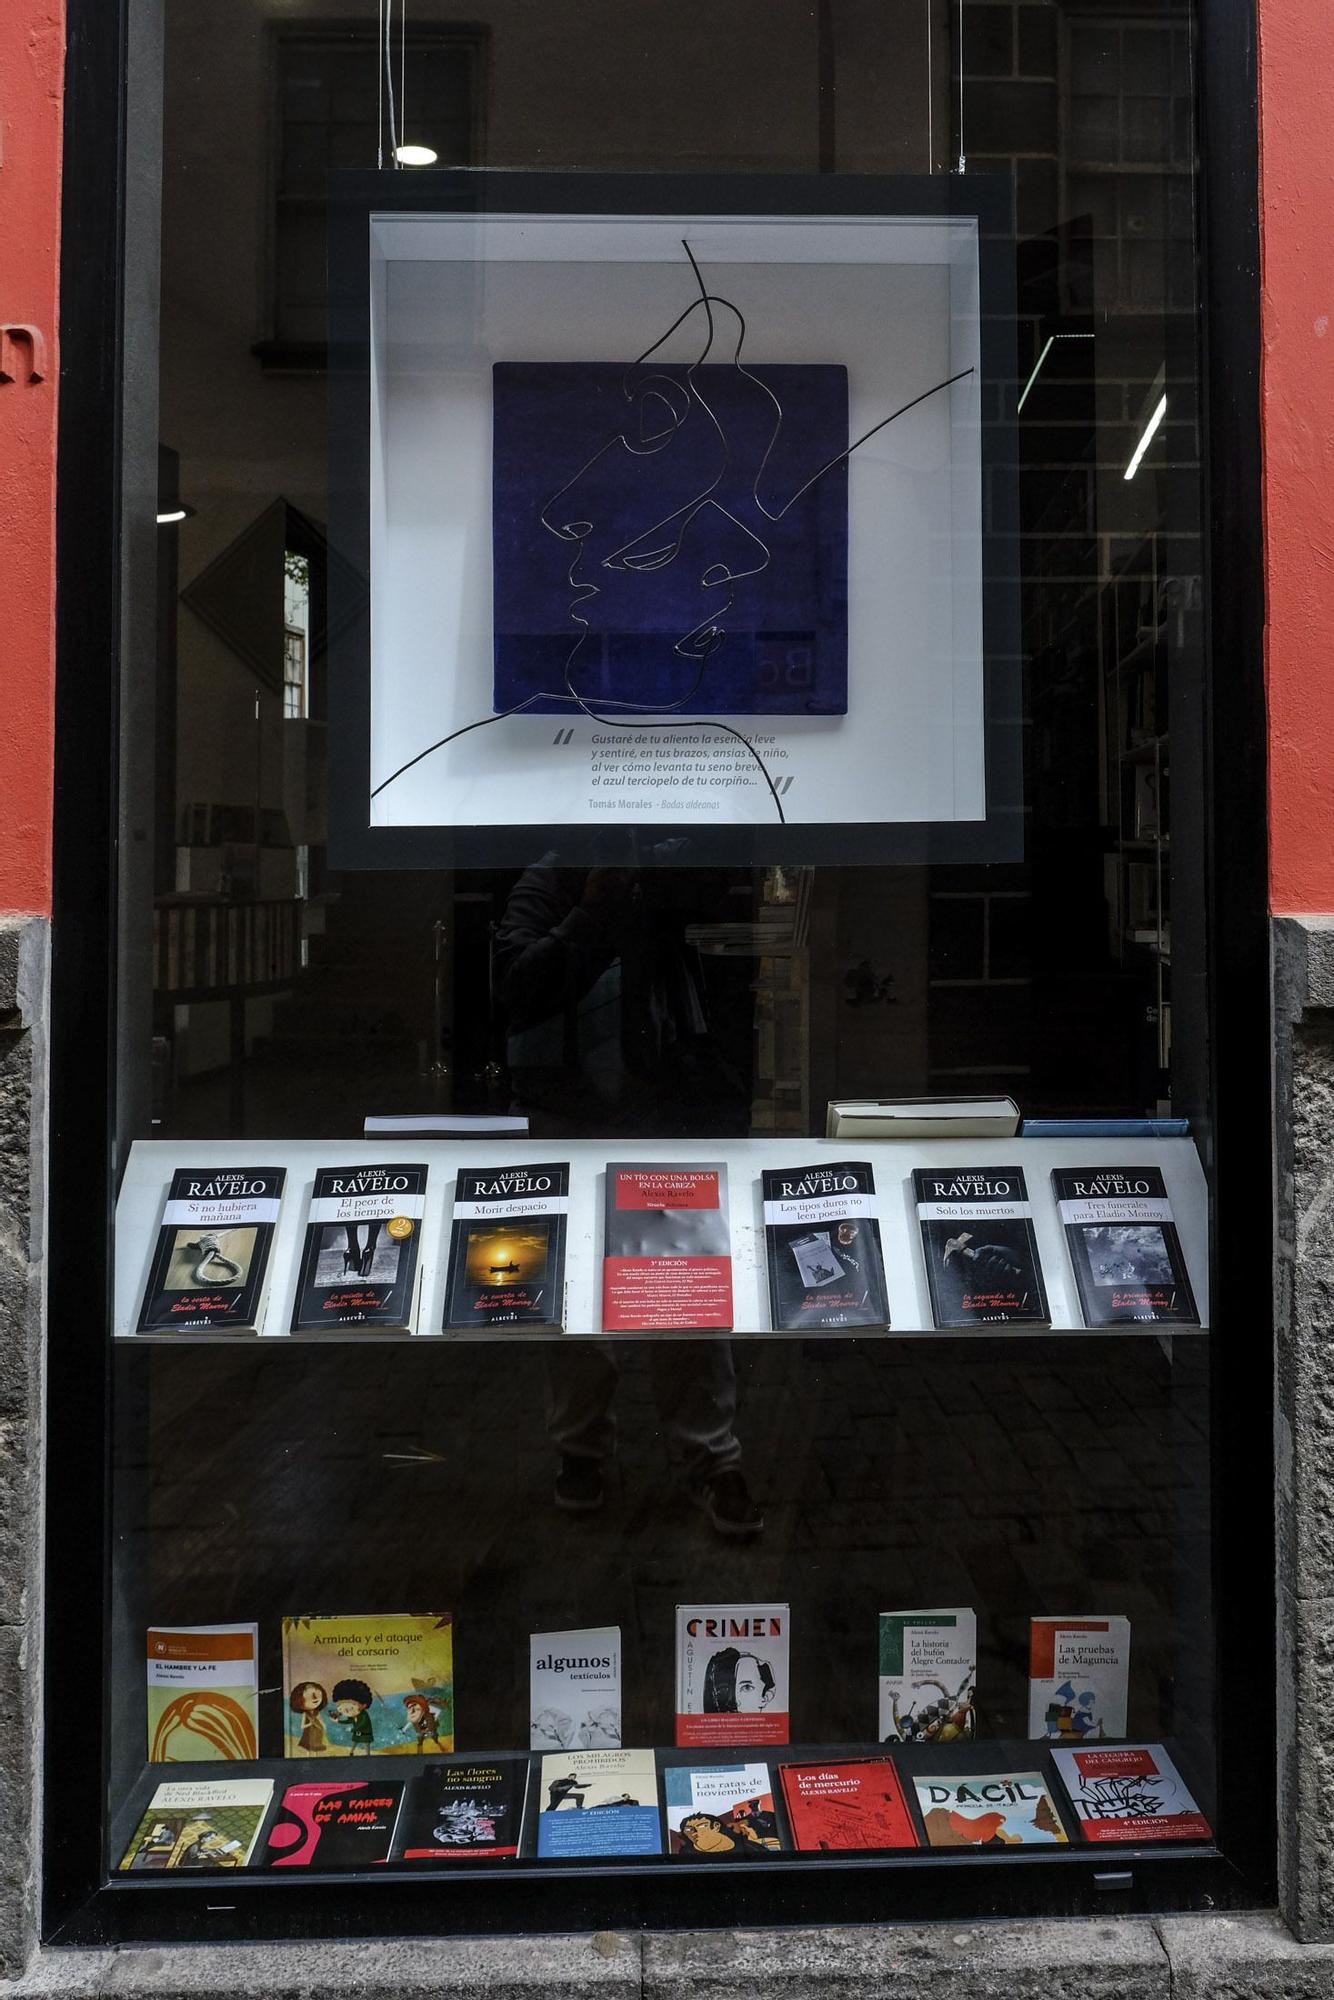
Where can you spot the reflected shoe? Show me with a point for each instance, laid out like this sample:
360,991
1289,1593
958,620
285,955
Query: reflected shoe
726,1500
579,1488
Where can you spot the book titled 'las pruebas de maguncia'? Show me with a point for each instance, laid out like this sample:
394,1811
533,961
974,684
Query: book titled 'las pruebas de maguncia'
210,1268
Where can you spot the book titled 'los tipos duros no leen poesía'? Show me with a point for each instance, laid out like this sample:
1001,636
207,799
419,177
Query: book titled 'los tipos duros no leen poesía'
979,1245
507,1248
1124,1247
361,1257
822,1242
210,1268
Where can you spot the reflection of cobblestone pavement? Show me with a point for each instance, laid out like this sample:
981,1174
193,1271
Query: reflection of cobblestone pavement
1043,1475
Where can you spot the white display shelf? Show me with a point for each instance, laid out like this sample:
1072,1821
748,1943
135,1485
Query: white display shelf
152,1163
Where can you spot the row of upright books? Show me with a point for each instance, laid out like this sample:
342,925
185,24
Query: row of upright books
667,1262
384,1685
612,1804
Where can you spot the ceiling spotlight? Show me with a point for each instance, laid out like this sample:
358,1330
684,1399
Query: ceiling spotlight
415,156
171,517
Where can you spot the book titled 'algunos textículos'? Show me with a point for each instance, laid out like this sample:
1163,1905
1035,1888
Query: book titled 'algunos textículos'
210,1268
507,1248
361,1257
980,1249
822,1239
1123,1245
667,1259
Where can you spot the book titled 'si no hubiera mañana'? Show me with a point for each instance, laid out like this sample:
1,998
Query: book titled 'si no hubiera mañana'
1078,1678
989,1809
211,1824
854,1802
667,1259
348,1823
822,1242
202,1693
507,1247
731,1673
466,1811
210,1268
598,1802
1124,1248
1132,1791
980,1250
361,1257
373,1686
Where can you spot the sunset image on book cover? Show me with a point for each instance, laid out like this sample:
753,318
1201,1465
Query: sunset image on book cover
507,1247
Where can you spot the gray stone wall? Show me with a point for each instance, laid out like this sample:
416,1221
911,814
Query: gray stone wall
23,963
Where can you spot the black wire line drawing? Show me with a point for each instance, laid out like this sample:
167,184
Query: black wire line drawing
644,553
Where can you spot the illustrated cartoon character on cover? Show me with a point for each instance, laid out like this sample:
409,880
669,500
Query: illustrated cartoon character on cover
705,1833
562,1791
307,1699
600,1727
943,1721
737,1683
1070,1713
553,1729
351,1710
423,1722
954,1829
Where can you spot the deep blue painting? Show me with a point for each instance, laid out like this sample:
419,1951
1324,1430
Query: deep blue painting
670,540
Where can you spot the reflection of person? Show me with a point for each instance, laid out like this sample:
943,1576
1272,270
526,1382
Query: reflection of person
351,1710
306,1700
737,1683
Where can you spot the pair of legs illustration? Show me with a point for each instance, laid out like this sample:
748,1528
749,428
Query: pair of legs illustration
355,1257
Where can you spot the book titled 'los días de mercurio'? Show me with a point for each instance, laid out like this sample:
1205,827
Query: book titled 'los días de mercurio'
210,1269
731,1673
988,1809
980,1250
928,1676
361,1257
344,1823
372,1686
667,1259
202,1693
507,1248
1078,1678
822,1241
1124,1247
844,1803
598,1802
1129,1791
574,1689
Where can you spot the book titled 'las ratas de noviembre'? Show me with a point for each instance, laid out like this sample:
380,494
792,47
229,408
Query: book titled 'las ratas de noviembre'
822,1239
1124,1247
507,1248
210,1269
981,1253
361,1257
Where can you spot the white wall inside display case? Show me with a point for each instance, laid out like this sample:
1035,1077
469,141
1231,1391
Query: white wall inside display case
895,301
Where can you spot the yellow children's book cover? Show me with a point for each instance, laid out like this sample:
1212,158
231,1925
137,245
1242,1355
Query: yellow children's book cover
369,1686
202,1693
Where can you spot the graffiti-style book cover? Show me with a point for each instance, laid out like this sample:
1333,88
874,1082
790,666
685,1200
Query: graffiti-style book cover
594,1802
213,1824
375,1686
666,1254
507,1247
361,1257
991,1809
1131,1792
466,1812
1124,1248
202,1686
928,1676
349,1824
981,1252
210,1270
721,1812
856,1802
574,1689
731,1673
1078,1678
822,1241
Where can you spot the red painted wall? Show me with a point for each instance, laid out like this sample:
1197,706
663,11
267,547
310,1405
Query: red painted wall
31,81
1297,248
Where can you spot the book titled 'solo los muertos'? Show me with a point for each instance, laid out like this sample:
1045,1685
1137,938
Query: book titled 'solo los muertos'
361,1256
507,1247
361,1687
347,1824
1124,1247
210,1269
855,1802
466,1811
731,1673
980,1250
667,1260
822,1239
1131,1792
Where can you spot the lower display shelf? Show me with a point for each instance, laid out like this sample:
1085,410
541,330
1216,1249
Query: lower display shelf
414,1813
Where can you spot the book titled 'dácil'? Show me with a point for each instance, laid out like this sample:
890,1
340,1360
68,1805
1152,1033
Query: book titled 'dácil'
922,1118
1078,1678
980,1250
928,1676
1124,1247
731,1673
854,1802
507,1248
466,1811
346,1824
210,1269
574,1681
988,1809
666,1259
361,1257
822,1240
202,1693
1129,1792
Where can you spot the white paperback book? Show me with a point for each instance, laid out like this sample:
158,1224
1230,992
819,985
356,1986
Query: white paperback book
1078,1678
922,1118
928,1675
575,1689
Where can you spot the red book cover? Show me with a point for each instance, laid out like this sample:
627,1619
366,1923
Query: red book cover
1132,1792
666,1251
858,1803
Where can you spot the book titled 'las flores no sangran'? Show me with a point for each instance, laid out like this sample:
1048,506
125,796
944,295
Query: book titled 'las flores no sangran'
210,1269
360,1260
822,1240
507,1247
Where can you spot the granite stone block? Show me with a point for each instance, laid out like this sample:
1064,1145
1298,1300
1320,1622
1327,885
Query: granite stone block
1249,1957
604,1966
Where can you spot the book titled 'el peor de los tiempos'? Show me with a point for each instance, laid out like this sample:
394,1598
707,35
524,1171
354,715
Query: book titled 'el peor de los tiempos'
667,1260
1124,1247
981,1253
210,1269
731,1673
507,1247
360,1259
822,1240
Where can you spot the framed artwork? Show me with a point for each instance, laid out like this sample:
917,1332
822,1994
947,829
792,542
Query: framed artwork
675,521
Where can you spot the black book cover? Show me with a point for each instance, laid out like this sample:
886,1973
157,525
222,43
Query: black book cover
340,1823
211,1264
822,1240
1124,1247
363,1242
981,1252
507,1247
465,1811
